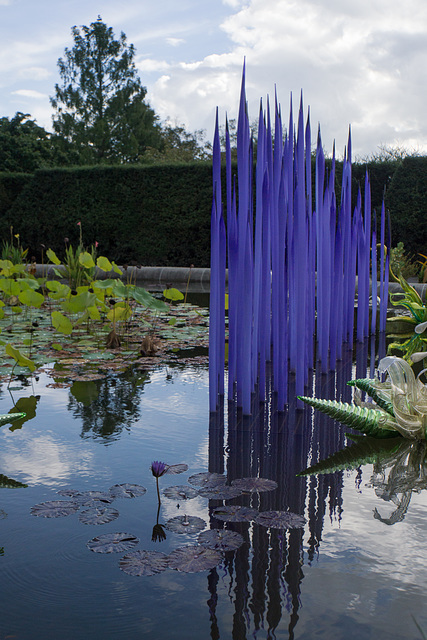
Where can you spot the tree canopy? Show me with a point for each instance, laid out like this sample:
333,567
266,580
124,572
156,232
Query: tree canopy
100,104
25,146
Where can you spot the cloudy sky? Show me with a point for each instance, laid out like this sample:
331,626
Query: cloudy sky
362,63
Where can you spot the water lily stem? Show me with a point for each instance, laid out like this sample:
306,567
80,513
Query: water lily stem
158,492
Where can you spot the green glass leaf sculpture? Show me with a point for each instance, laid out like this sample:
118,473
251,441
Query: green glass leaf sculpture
372,422
5,418
374,392
9,483
365,451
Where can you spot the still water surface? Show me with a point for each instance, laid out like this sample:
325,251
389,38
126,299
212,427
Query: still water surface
351,572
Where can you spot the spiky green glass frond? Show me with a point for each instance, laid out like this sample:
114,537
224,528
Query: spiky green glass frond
377,424
10,417
366,450
9,483
369,386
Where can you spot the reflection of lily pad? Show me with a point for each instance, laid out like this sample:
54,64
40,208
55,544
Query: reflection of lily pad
253,485
173,469
234,513
185,524
127,490
112,542
220,539
180,492
98,515
54,509
69,493
144,563
89,498
85,392
194,558
28,407
220,492
280,520
207,479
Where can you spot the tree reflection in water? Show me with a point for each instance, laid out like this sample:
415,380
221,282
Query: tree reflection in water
108,406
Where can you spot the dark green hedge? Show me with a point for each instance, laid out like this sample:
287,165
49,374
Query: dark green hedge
158,215
407,201
11,185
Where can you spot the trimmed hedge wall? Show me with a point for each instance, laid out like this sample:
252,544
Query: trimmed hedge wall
11,185
407,201
160,215
157,215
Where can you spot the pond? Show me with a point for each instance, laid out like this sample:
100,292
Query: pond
356,568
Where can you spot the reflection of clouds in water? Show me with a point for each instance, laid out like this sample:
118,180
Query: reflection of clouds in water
201,456
42,460
356,536
194,507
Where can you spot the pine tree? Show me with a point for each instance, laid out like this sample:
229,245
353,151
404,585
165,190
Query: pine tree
100,104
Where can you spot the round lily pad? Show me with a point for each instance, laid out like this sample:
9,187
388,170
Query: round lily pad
207,479
54,509
280,520
234,513
253,485
185,524
180,492
220,492
194,558
144,563
127,490
221,539
98,515
112,542
173,469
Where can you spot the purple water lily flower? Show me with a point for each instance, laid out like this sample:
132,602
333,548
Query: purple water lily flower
158,469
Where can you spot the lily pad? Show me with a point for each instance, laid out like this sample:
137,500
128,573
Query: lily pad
280,520
221,539
220,492
144,563
54,509
185,524
180,492
98,515
207,479
173,469
112,542
127,490
254,485
234,513
192,559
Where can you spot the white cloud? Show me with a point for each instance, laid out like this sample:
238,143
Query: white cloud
175,42
148,65
30,93
35,73
365,67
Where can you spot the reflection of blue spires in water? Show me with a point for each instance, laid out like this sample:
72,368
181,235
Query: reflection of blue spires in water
265,574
